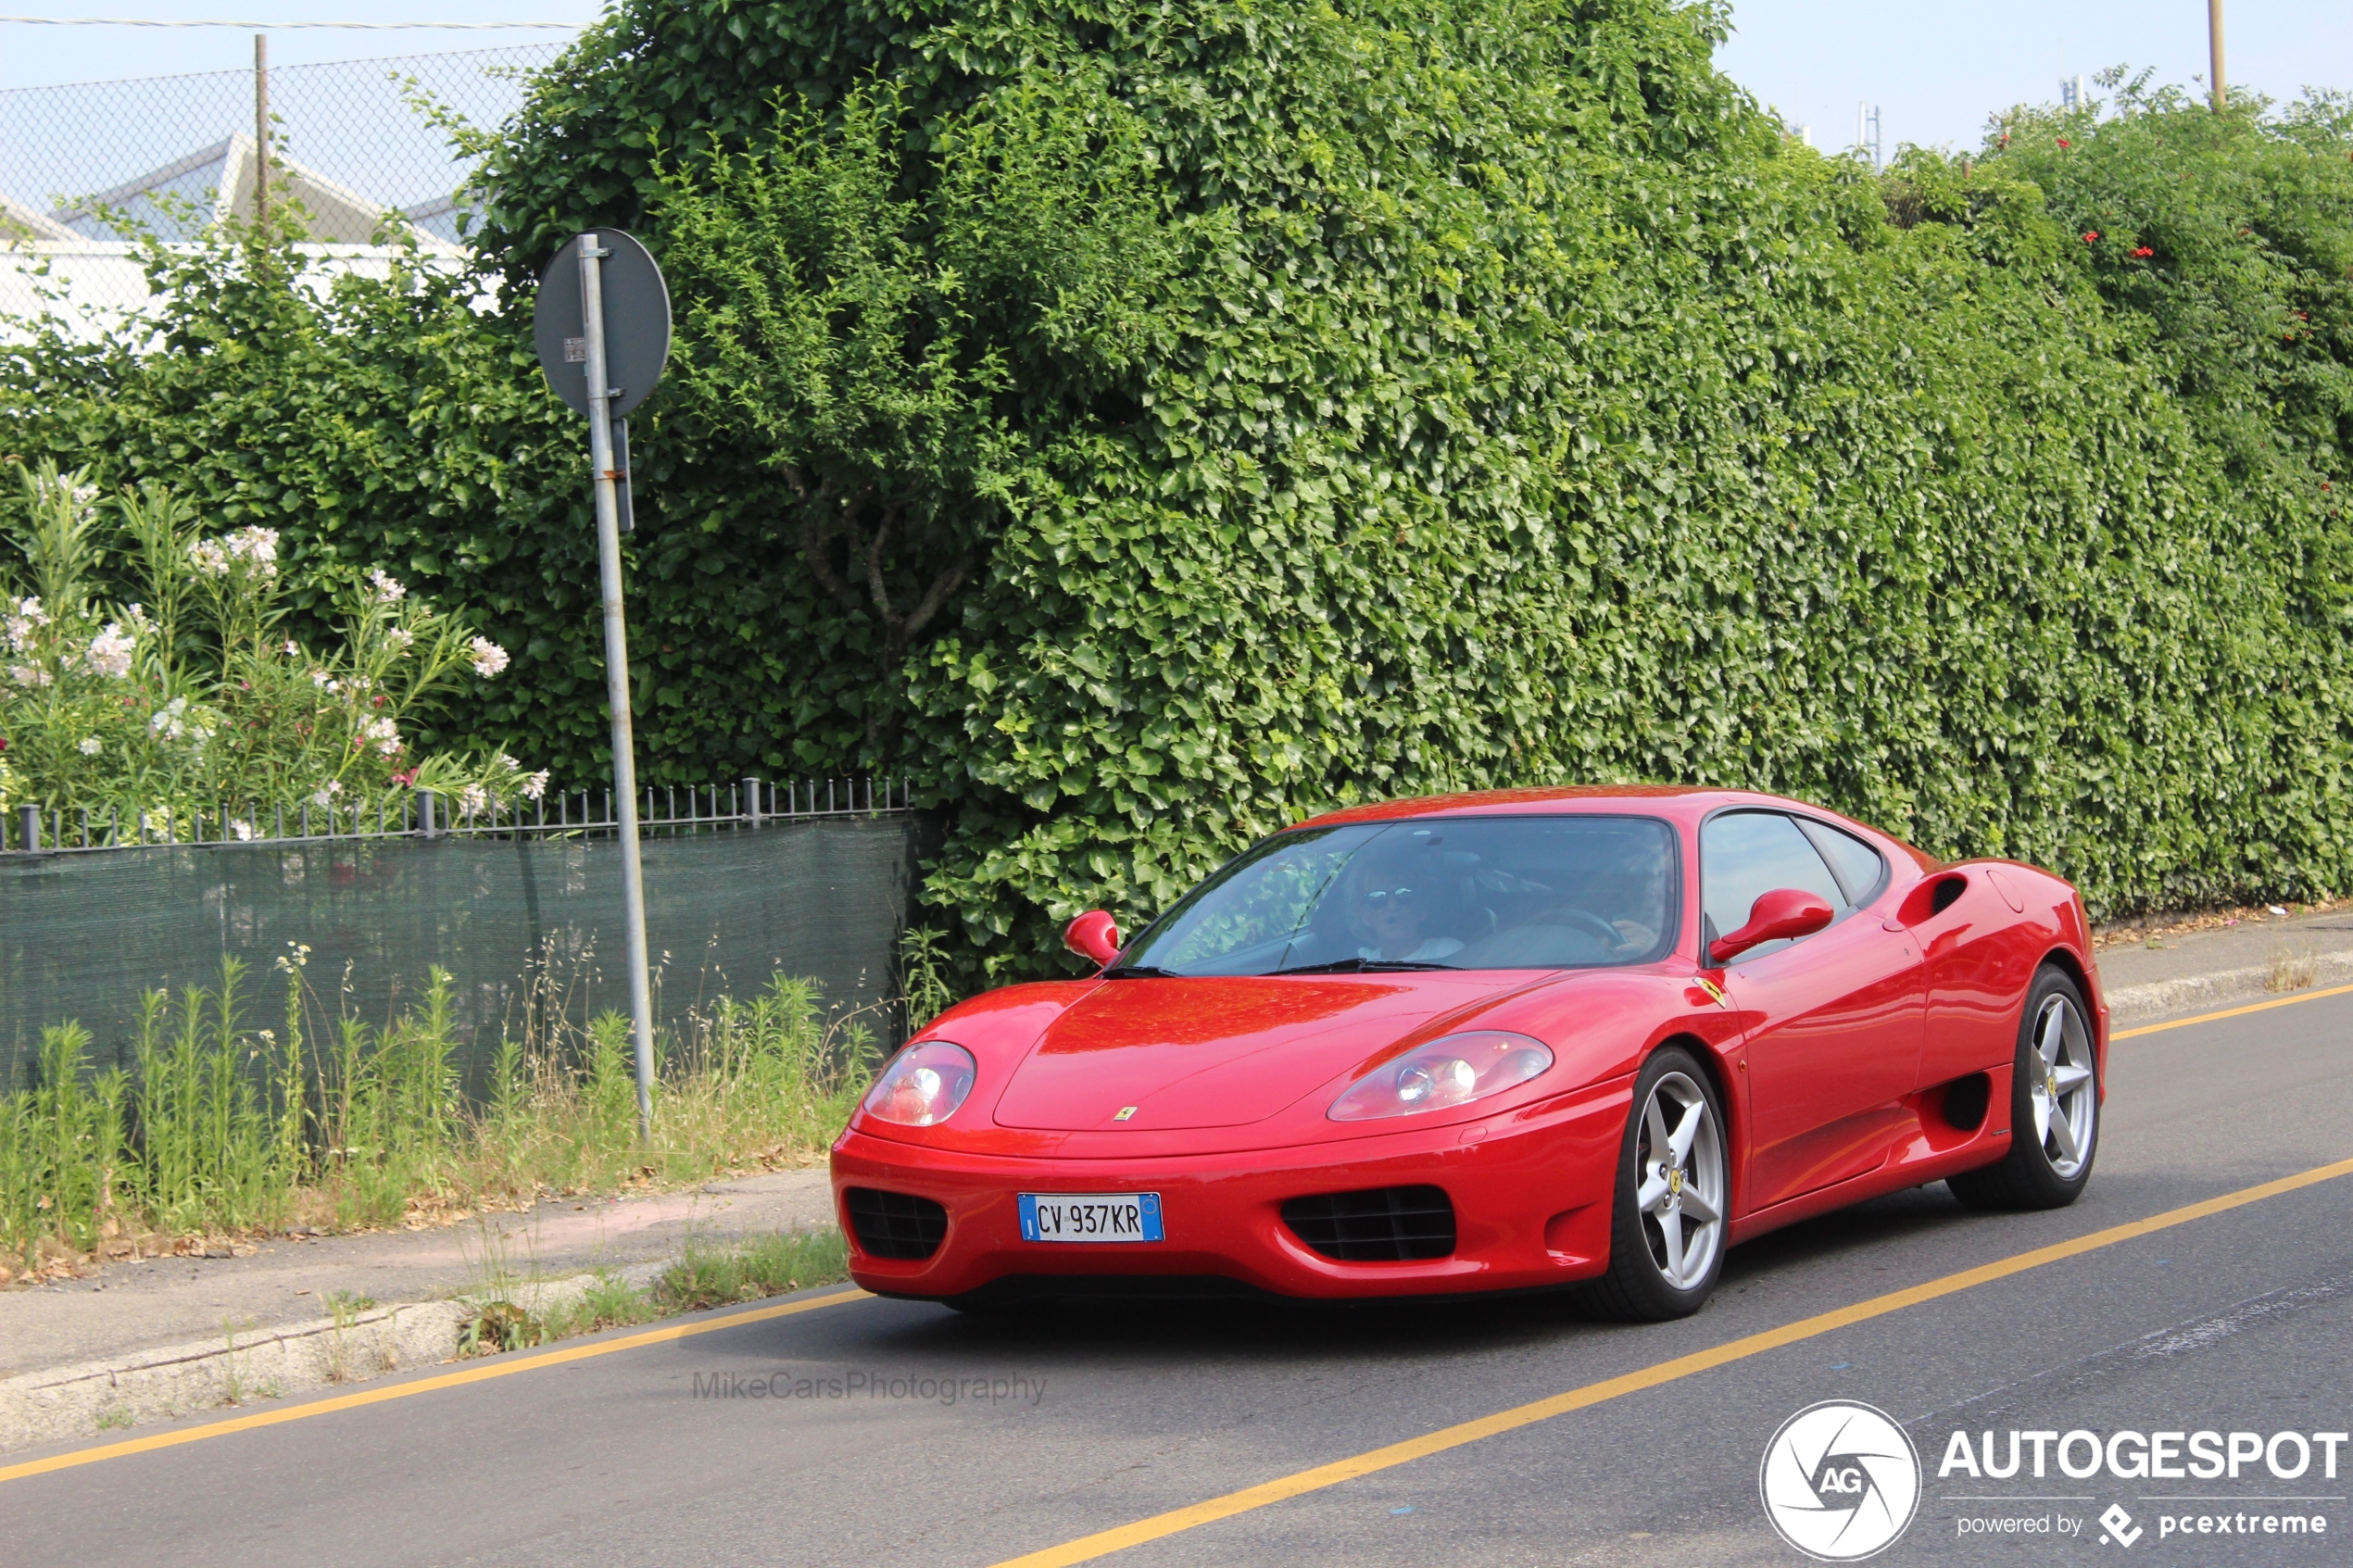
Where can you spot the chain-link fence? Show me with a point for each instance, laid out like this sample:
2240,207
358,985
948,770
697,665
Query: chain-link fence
358,144
744,883
354,130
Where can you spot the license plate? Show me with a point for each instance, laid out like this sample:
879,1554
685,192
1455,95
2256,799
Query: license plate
1091,1216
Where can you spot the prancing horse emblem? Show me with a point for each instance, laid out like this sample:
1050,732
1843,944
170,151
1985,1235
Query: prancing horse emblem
1125,1112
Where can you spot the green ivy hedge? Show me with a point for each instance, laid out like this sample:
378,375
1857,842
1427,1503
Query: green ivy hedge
1506,401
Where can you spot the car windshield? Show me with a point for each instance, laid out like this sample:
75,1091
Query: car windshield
1553,892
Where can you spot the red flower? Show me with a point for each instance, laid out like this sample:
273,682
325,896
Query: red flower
2091,236
3,740
2063,142
2143,254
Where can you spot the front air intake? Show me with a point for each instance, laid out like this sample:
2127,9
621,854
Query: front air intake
1384,1226
893,1224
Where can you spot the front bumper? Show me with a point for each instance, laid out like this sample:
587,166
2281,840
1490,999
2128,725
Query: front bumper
1530,1190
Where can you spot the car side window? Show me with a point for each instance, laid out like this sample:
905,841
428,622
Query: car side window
1744,854
1857,865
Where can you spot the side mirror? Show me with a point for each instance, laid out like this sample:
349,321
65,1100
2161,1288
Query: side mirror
1785,911
1094,937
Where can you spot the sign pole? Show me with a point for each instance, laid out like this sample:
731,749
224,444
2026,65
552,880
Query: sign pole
624,763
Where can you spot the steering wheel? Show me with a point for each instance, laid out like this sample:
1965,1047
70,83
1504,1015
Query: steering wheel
1610,935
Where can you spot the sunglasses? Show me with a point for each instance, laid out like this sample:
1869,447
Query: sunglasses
1386,898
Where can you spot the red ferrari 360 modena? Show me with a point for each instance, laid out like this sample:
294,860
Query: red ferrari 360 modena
1510,1041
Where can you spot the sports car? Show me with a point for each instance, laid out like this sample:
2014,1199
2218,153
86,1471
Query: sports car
1580,1039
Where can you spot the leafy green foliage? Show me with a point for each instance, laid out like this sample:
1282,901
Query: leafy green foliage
1307,403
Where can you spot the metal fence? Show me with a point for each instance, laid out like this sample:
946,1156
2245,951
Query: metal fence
744,883
661,812
357,124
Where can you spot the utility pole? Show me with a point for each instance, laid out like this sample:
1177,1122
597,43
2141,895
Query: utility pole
1867,134
262,130
2214,41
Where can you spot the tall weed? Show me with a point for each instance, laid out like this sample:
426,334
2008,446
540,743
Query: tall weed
224,1128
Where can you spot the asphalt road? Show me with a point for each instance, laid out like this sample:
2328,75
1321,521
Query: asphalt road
2237,1321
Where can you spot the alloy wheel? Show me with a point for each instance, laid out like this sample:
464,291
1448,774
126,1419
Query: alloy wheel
1679,1159
2063,1093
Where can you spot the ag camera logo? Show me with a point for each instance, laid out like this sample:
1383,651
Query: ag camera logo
1840,1481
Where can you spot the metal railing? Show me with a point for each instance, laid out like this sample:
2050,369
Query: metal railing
663,811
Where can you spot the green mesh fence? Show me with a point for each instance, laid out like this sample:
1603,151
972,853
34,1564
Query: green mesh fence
529,926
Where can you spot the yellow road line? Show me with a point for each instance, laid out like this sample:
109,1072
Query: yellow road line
2232,1012
1087,1547
502,1367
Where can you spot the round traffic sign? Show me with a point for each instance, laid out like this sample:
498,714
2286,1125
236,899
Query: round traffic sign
637,321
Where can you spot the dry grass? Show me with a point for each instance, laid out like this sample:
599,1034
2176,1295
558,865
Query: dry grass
2290,971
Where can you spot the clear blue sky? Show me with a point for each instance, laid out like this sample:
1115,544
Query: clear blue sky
1938,70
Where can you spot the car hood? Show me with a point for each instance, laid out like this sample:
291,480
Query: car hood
1175,1054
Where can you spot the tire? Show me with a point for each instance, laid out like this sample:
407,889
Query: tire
1668,1223
2055,1107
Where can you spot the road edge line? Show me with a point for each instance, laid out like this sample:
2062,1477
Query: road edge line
1119,1538
2116,1035
501,1367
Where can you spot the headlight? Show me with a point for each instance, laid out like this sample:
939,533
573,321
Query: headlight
922,1085
1451,1072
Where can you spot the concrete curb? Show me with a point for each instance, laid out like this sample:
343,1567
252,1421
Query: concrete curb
68,1402
2198,993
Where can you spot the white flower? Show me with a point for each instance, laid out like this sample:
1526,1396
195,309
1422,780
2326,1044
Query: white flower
27,616
139,624
325,794
110,651
91,746
386,734
244,830
386,588
85,496
510,763
535,784
489,657
210,558
293,648
471,799
400,637
29,675
258,545
173,721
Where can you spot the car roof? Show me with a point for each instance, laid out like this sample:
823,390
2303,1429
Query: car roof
1682,803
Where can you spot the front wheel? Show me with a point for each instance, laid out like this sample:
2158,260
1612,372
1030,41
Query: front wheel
2055,1107
1673,1191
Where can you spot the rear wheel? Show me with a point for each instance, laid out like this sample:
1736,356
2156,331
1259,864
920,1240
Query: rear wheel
2055,1107
1667,1226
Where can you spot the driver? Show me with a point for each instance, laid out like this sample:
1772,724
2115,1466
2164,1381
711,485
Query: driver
1387,908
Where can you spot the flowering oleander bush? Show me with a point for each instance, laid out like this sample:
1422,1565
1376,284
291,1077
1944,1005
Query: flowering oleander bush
192,698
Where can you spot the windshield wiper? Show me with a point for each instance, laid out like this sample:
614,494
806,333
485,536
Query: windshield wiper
1360,966
1140,971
